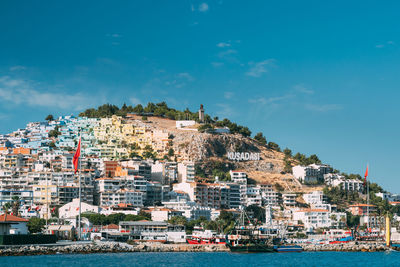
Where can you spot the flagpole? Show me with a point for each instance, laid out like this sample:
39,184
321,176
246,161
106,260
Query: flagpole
80,165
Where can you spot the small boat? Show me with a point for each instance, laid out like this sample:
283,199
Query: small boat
288,248
250,248
204,237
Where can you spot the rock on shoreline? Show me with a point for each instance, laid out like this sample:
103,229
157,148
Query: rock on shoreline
116,247
107,247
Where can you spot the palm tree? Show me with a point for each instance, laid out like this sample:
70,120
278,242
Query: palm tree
6,207
15,205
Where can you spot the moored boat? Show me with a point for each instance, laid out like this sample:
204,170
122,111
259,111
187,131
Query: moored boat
288,248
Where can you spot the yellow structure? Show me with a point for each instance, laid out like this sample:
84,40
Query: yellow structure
387,231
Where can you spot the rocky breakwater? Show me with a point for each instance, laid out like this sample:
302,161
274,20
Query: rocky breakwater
346,247
106,247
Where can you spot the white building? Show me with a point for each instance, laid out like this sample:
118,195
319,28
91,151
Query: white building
153,231
289,199
315,197
253,196
191,210
186,172
164,214
71,210
349,185
313,218
312,173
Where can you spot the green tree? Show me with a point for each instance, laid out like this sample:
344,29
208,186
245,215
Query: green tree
49,118
287,152
36,225
259,137
6,207
287,167
180,220
274,146
204,128
15,205
171,152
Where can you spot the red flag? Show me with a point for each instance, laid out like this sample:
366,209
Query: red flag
365,175
37,208
53,209
75,160
29,209
77,209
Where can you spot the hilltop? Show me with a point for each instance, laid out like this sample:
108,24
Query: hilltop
201,144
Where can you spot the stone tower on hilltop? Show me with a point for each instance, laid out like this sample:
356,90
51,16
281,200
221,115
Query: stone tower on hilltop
201,114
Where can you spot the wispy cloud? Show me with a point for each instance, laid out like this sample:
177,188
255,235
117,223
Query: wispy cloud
228,95
229,55
383,45
135,101
225,110
222,44
203,7
323,107
17,68
186,76
271,100
302,89
217,64
22,92
259,68
114,35
178,80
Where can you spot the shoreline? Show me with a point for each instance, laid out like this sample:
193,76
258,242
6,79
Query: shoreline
117,247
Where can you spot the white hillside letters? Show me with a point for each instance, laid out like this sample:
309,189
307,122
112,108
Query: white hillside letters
243,156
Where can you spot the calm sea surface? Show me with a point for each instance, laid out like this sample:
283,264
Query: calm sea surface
210,259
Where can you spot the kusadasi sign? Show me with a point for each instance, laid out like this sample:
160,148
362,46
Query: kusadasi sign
243,156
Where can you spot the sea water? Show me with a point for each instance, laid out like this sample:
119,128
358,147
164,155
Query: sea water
209,259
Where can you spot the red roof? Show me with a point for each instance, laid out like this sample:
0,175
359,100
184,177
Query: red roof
111,227
11,218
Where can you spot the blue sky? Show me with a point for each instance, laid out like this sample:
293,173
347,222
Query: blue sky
313,76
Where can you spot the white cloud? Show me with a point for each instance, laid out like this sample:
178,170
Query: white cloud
271,100
17,68
228,95
217,64
186,76
302,89
259,68
203,7
323,107
380,46
21,92
225,110
222,44
114,35
135,101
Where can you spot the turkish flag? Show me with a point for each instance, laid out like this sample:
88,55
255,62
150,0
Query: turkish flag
75,160
365,175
